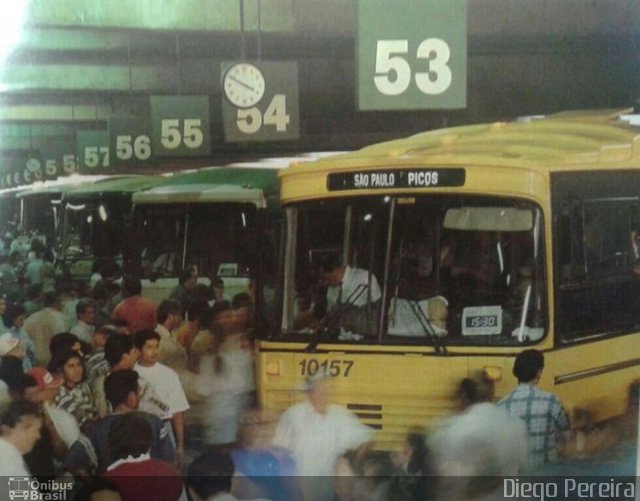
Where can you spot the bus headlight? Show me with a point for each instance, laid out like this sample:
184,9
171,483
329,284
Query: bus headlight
492,373
272,368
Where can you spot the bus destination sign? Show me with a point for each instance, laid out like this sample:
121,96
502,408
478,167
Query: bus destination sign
395,178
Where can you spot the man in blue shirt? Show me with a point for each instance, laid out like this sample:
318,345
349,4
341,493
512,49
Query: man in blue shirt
541,411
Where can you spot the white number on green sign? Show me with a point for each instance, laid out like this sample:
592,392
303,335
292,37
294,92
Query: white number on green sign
251,120
92,156
51,167
141,147
69,163
393,71
191,134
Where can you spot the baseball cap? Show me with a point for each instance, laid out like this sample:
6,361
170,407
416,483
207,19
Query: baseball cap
7,343
44,378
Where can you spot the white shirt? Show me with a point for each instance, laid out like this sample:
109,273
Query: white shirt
83,331
11,461
352,278
166,384
318,440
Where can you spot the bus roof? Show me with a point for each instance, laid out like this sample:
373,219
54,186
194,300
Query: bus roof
60,185
114,185
213,184
555,142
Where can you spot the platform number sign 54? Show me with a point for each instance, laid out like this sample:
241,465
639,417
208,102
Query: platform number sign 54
260,101
250,120
394,73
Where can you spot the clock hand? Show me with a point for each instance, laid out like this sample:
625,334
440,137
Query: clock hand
246,86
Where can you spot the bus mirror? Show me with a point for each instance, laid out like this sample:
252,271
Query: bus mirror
488,219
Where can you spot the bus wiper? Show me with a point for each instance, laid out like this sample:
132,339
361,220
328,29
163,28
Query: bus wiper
425,323
333,317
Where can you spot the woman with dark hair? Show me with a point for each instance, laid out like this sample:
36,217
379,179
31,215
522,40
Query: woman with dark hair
75,394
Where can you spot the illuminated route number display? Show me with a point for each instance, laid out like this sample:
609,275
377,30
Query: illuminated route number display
396,178
310,367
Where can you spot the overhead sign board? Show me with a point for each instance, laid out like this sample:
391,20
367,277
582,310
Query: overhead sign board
129,141
93,150
412,54
180,126
260,101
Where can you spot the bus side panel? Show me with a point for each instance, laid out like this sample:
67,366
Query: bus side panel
594,376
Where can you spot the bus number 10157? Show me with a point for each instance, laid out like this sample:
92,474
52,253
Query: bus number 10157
334,368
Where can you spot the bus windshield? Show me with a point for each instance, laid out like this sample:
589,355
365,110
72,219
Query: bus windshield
96,230
445,270
219,239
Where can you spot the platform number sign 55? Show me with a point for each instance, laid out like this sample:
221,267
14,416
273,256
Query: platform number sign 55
394,73
176,132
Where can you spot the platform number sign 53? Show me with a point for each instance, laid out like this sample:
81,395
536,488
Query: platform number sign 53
394,73
406,65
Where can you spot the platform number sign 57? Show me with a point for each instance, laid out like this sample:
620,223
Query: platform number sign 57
409,65
394,73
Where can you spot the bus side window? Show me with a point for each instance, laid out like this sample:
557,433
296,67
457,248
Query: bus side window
599,292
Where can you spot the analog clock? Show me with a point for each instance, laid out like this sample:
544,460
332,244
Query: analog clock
243,85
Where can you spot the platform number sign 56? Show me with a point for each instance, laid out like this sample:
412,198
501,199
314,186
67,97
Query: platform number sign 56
251,120
138,147
394,73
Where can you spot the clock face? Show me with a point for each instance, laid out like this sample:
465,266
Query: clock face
243,85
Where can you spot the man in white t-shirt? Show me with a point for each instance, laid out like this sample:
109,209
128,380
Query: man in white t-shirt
165,383
20,425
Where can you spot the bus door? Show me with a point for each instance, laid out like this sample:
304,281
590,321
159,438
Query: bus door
597,304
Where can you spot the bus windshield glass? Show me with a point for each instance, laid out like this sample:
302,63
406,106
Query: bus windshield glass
218,239
96,230
445,270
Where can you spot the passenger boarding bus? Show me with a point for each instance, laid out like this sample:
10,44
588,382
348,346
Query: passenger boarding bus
452,251
98,225
220,220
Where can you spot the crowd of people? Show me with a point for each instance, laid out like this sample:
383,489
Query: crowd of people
157,401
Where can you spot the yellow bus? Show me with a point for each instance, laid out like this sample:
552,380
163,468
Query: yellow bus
456,249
